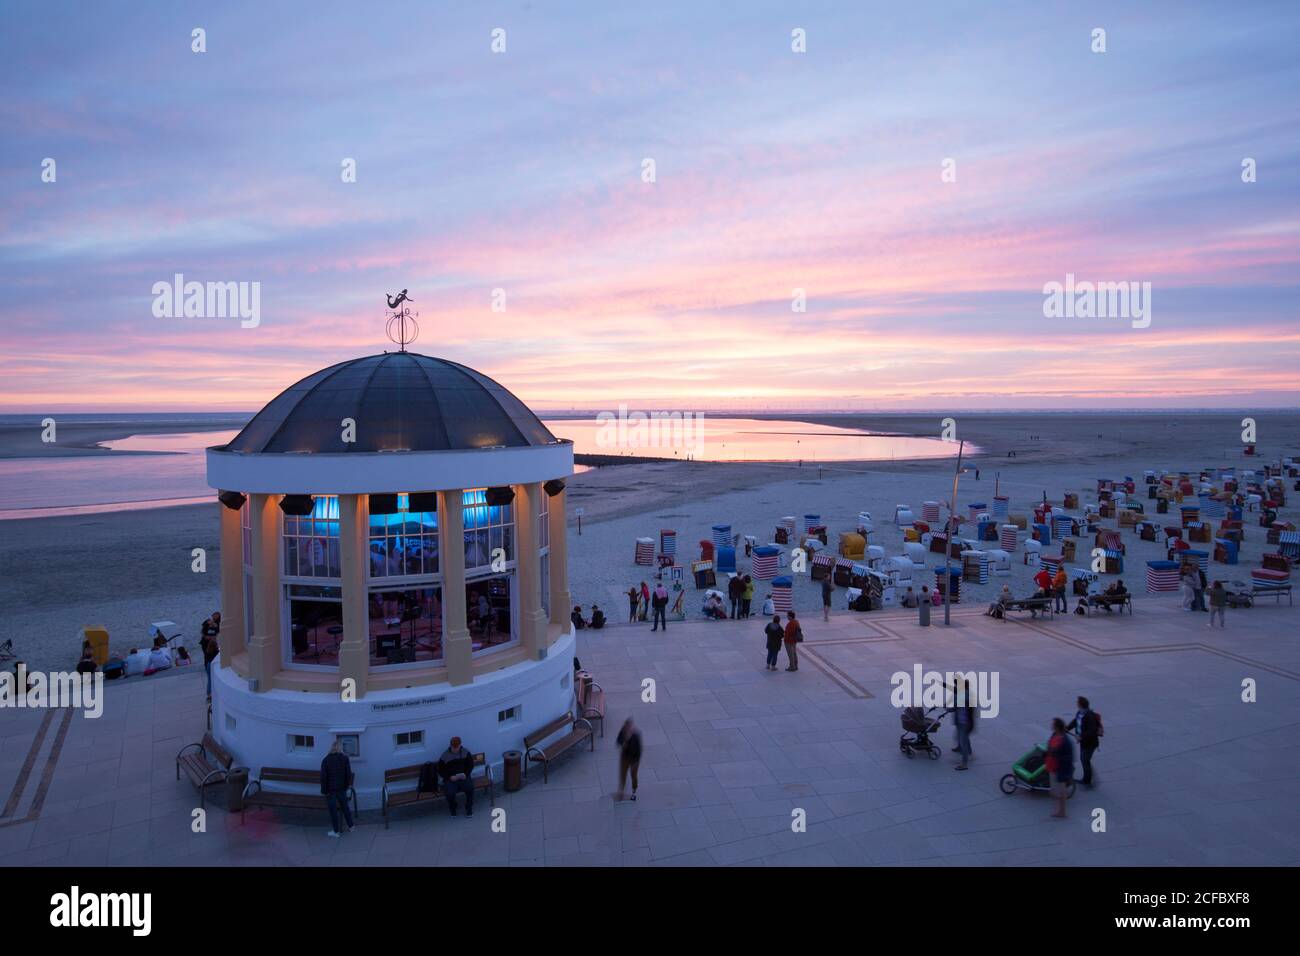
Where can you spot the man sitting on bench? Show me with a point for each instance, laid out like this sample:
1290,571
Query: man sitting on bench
1115,594
455,766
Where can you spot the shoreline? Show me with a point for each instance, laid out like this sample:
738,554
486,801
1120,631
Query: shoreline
81,439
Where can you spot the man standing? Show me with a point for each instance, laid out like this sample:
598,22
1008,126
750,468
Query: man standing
629,755
208,644
455,766
793,635
1058,591
775,634
1198,593
964,720
1087,724
735,588
660,601
828,590
335,778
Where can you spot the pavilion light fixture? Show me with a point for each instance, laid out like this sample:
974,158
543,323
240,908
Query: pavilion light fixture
500,495
232,499
299,505
420,501
553,487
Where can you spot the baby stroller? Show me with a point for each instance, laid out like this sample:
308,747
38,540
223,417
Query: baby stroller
918,725
1238,594
1030,773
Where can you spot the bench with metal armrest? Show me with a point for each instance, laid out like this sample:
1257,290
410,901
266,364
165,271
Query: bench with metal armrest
391,798
205,764
579,730
256,794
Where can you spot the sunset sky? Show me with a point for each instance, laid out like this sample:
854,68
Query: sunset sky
775,171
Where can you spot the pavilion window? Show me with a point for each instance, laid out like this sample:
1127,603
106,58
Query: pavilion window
487,529
490,611
404,544
311,542
315,623
405,625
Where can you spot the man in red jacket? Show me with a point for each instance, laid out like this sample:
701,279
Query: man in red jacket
793,635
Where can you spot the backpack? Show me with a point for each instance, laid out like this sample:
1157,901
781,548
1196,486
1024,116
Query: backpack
428,778
1101,730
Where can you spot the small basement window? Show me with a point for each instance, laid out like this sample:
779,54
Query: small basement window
509,715
410,738
301,743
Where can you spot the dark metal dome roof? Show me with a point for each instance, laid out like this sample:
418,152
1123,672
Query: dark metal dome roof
399,401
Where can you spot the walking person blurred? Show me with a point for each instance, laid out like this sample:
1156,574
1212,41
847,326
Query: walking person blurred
1218,604
629,755
775,635
633,599
793,636
747,596
828,591
1188,588
1060,764
645,600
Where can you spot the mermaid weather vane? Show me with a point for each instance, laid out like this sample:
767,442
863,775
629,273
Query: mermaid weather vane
402,327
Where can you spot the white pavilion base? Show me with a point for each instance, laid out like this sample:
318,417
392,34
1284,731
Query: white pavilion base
259,728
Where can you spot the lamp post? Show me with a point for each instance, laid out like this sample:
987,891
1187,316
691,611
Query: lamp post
952,535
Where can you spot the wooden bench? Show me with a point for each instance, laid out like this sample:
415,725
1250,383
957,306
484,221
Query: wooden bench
1272,590
255,794
1121,601
579,730
207,763
594,708
1043,604
391,799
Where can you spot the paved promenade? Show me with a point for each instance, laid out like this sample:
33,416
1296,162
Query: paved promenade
1189,774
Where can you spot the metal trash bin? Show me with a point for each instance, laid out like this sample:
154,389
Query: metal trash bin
584,688
512,762
236,781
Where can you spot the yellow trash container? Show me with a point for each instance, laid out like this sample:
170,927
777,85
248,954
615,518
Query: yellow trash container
97,635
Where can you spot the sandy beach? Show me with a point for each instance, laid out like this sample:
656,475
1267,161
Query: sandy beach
124,570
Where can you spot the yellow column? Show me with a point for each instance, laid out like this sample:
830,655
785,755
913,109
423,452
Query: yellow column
354,651
265,650
532,620
561,601
233,632
457,651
